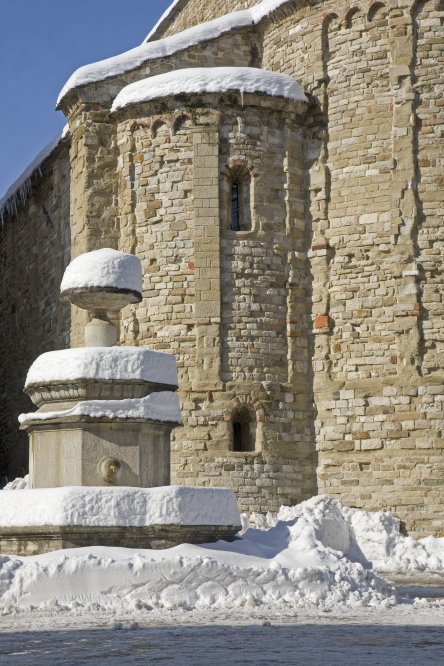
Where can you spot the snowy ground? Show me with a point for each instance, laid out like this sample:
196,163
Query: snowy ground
402,636
308,586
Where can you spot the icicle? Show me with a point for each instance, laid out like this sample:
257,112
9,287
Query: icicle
242,97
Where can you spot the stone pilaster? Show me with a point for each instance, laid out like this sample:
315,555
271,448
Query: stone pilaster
207,258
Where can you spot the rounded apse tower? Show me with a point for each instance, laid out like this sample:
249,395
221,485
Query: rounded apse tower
211,201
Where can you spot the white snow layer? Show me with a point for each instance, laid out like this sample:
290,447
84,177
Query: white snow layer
287,565
104,268
22,186
104,363
370,538
209,79
20,483
162,48
91,506
163,406
317,554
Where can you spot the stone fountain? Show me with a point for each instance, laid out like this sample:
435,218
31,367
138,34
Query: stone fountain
103,424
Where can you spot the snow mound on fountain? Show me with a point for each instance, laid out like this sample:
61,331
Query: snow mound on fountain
115,363
121,506
163,406
371,538
104,268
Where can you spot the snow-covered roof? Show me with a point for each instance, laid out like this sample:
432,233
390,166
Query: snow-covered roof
210,79
162,48
164,16
22,186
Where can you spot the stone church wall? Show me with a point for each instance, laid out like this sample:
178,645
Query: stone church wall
189,13
322,317
34,251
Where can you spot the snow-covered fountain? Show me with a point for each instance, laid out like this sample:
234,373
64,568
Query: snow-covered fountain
100,438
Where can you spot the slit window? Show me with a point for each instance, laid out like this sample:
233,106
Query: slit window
237,436
235,207
243,433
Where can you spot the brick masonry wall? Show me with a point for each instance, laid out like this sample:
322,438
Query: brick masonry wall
34,252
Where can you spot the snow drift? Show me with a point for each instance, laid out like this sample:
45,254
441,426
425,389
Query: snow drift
320,553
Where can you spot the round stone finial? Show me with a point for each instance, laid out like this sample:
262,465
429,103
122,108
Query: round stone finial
102,281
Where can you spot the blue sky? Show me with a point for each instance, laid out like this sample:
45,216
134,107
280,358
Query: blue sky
42,43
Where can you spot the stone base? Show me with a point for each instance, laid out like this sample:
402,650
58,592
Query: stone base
47,538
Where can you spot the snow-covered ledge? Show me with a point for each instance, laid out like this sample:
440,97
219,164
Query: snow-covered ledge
119,507
210,80
134,58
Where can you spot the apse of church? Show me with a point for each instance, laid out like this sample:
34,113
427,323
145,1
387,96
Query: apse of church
291,249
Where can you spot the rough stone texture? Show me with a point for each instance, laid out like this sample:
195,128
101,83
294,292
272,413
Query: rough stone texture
26,541
330,313
34,252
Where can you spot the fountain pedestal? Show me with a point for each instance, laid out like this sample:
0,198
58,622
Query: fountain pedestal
101,437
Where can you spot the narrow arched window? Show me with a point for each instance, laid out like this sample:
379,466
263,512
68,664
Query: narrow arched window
235,207
243,429
237,436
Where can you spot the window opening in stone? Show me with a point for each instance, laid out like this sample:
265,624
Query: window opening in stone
243,430
235,207
237,436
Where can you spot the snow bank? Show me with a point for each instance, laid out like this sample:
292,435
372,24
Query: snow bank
104,363
163,406
22,186
209,79
315,555
20,483
284,567
370,538
119,506
104,268
165,47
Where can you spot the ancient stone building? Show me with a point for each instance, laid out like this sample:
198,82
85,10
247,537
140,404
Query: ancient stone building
291,250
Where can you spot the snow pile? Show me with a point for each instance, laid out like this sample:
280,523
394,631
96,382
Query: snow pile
20,483
118,363
22,186
165,47
119,506
163,406
210,79
104,268
370,538
285,567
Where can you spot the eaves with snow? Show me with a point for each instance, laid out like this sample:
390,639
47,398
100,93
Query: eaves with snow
125,62
19,190
210,80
